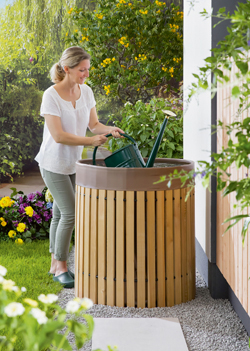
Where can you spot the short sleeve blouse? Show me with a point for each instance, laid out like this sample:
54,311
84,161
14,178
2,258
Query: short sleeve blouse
56,157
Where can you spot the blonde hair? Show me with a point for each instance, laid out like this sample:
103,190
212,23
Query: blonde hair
71,58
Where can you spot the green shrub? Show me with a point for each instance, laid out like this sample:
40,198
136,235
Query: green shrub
21,129
143,121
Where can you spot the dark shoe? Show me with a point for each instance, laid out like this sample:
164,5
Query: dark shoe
71,273
65,279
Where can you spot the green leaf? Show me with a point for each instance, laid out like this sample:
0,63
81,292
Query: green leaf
236,91
171,145
211,59
243,66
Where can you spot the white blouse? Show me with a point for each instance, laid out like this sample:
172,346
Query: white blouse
56,157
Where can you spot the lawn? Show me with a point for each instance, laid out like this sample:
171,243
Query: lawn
27,265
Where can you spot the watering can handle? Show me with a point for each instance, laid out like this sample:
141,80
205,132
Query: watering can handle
108,135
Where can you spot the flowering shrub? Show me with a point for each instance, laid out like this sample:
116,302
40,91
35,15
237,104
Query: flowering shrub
25,218
37,325
143,121
136,47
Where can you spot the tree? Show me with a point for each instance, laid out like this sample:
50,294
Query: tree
32,38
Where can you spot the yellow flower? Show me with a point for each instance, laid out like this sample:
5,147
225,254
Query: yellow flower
8,285
67,34
3,223
29,211
171,70
31,302
1,219
6,202
123,66
19,241
12,233
113,59
76,30
21,227
136,58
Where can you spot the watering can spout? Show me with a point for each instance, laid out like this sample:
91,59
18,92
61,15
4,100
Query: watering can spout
157,143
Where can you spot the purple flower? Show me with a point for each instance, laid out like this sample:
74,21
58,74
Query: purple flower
38,193
31,196
37,218
15,223
246,174
29,220
194,175
248,42
39,203
22,208
203,174
31,59
20,199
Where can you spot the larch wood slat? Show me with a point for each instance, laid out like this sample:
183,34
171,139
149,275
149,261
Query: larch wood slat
184,246
189,252
141,266
93,246
80,249
169,247
111,248
193,274
177,247
102,247
77,235
151,248
160,230
120,249
86,245
130,248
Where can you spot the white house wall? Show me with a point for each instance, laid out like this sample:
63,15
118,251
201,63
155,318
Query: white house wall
197,114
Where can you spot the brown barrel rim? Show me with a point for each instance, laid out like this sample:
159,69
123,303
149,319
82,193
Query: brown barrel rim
134,179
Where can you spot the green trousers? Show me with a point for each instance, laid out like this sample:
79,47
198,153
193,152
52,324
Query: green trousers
62,188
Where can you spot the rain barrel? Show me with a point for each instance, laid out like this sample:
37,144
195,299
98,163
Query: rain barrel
134,239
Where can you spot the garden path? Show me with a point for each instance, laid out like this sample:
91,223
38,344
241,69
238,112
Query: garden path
32,181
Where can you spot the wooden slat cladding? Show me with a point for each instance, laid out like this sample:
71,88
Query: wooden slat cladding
232,258
133,248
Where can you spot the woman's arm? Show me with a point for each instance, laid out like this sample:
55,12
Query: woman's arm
60,136
98,128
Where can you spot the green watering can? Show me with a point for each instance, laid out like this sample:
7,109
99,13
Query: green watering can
129,156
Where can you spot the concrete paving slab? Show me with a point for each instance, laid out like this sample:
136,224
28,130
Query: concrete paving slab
30,182
139,334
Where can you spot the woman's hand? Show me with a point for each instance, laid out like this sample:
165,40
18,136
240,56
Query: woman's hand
115,131
98,140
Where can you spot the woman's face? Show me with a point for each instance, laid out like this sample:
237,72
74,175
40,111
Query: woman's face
80,72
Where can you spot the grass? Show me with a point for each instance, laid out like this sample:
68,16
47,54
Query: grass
27,265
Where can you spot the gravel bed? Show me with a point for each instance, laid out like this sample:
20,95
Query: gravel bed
207,324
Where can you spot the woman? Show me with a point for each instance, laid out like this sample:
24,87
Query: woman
68,108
